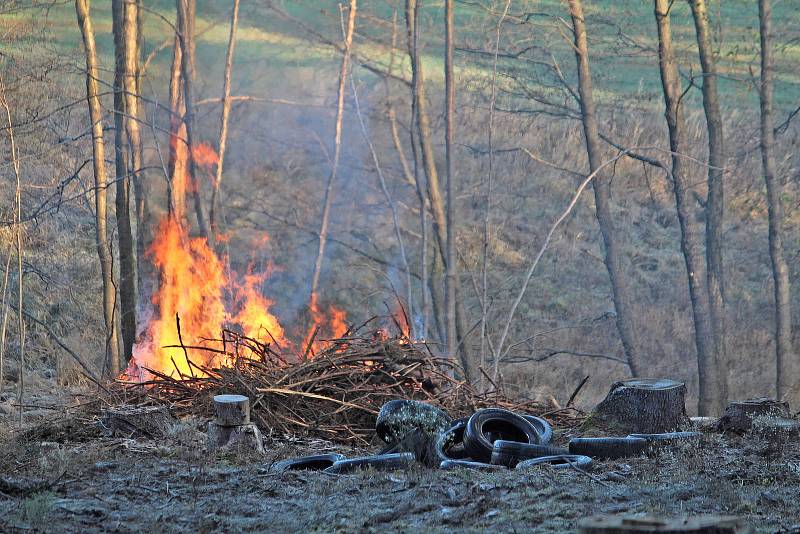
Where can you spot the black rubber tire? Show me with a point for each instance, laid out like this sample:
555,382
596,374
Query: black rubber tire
562,461
488,425
541,426
608,448
399,417
307,463
669,436
509,453
381,462
665,440
469,464
449,445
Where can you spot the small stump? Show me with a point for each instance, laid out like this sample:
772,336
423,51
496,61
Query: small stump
137,421
643,406
704,524
232,429
231,410
775,432
739,415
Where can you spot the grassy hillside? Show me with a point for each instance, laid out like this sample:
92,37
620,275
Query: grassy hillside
622,40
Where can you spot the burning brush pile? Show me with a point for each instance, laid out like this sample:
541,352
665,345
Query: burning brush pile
329,380
336,395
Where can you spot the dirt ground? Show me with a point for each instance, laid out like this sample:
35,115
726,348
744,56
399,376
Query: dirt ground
60,473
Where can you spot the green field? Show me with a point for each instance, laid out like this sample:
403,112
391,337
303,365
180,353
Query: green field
621,40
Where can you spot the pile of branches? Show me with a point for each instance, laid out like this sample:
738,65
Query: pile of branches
336,395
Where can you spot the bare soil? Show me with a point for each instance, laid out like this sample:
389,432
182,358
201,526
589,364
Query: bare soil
59,472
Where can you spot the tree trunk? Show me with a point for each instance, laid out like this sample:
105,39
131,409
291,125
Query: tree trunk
424,130
413,329
178,152
429,164
452,264
337,150
127,255
619,286
100,184
780,270
709,399
419,183
186,18
136,168
226,110
715,209
643,406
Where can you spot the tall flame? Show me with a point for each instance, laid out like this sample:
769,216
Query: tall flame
194,287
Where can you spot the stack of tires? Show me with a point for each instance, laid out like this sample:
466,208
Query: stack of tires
494,438
489,439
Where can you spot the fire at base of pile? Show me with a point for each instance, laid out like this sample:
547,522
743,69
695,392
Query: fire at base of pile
334,396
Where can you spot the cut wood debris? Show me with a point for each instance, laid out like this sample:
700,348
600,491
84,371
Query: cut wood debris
336,395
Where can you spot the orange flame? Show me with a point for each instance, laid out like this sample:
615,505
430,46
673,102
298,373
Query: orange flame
204,155
194,287
330,326
399,316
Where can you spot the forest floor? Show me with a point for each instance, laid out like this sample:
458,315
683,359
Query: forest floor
60,473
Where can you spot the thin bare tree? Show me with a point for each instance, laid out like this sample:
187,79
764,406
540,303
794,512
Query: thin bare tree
602,194
337,146
487,217
186,10
710,400
715,209
410,178
223,122
450,112
100,184
19,250
144,234
125,242
437,206
418,180
178,161
6,307
780,269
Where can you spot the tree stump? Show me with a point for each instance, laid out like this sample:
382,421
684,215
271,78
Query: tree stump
232,429
775,432
740,414
137,421
643,406
704,524
232,410
240,438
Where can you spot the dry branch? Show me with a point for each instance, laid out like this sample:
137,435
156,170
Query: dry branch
335,395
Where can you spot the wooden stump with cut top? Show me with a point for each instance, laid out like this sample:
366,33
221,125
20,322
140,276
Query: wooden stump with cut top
739,415
245,438
232,410
704,524
137,421
643,406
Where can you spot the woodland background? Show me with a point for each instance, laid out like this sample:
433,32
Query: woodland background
517,126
